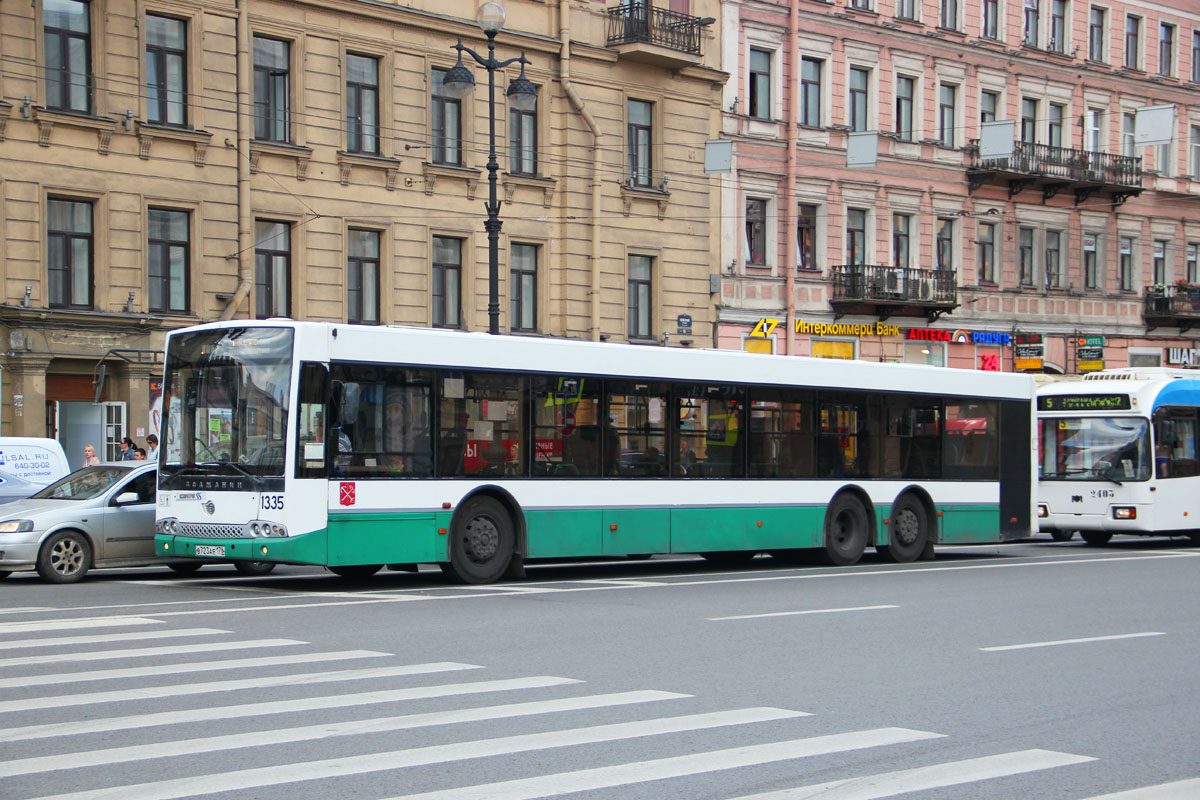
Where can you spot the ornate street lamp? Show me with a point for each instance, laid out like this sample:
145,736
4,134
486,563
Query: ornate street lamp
522,95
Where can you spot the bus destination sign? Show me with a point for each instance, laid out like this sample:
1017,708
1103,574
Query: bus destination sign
1084,402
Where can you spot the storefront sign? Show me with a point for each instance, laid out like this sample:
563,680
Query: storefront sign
1089,359
766,325
1028,356
959,336
1090,341
1183,357
1027,338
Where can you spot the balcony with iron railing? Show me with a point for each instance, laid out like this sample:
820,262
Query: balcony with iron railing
884,291
641,32
1172,306
1053,169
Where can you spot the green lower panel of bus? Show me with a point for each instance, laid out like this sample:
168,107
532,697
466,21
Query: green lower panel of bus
969,524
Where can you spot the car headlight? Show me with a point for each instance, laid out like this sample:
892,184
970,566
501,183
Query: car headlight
16,526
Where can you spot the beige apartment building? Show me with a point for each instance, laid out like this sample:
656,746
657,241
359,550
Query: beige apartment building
170,162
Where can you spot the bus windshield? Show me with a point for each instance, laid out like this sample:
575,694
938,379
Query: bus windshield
1095,448
225,398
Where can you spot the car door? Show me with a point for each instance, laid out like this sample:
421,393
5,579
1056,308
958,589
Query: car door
127,531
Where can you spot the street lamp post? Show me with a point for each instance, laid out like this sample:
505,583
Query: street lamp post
522,94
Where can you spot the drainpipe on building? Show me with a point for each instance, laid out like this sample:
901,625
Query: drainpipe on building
789,215
564,75
245,251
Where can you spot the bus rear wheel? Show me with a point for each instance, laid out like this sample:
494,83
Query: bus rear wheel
482,542
847,527
356,571
908,531
1096,538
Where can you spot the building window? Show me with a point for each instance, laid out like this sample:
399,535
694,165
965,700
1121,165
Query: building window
1025,256
1194,147
1128,143
1133,32
906,9
948,18
991,19
640,269
1091,262
1030,34
1028,120
447,124
1162,158
806,237
166,71
1054,125
901,223
985,241
66,28
1125,264
904,107
447,282
945,244
362,104
930,353
1166,49
861,5
1160,261
168,259
362,276
1058,26
69,252
1054,259
810,92
1096,33
756,231
988,103
522,279
1093,130
272,90
1193,268
640,114
272,269
946,112
859,80
856,236
1196,56
760,83
522,141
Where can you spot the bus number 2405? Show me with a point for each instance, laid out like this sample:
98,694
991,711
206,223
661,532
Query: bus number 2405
1095,493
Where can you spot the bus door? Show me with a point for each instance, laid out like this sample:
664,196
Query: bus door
1175,460
315,446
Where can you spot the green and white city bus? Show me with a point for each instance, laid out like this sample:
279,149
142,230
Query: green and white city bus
356,447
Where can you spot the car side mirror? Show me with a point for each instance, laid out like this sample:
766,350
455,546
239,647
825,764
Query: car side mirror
126,499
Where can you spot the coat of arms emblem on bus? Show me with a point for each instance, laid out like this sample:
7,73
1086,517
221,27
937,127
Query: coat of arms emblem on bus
346,495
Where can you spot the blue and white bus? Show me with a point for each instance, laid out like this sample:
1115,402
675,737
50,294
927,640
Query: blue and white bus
1118,454
359,447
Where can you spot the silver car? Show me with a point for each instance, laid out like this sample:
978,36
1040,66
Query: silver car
101,516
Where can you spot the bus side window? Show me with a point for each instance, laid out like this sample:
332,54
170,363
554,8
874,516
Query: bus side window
314,397
566,434
1175,444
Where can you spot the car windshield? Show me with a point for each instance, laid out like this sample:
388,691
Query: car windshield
83,484
1094,448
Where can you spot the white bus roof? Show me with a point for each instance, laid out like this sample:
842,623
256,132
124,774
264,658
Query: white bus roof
458,349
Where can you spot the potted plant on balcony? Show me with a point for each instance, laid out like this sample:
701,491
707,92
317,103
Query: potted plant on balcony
1157,295
1185,288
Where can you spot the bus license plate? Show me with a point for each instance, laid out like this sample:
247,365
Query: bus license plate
210,550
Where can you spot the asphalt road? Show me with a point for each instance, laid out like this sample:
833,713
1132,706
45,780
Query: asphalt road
1029,670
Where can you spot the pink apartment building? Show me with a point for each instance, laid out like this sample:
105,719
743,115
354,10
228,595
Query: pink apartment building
1078,250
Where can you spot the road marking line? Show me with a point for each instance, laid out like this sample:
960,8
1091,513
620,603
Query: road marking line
108,638
1177,790
38,626
268,682
56,729
27,609
425,756
677,767
799,613
1071,641
212,744
175,669
890,784
171,650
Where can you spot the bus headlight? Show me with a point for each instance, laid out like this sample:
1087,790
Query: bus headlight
1124,512
1043,512
259,527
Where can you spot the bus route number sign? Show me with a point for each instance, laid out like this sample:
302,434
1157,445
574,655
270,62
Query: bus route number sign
1084,402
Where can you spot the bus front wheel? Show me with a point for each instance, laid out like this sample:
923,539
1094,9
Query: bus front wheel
482,544
1062,536
847,527
908,531
1096,538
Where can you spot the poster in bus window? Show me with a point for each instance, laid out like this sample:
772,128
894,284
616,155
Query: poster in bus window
220,426
174,419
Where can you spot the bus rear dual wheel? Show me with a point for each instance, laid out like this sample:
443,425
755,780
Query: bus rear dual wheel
848,531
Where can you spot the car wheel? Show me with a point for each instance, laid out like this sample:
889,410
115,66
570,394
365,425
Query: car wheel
186,568
65,557
254,567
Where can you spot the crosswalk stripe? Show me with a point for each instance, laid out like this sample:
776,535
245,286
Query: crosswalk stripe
39,626
1176,790
267,682
170,650
425,756
890,784
676,767
55,729
108,638
212,744
176,669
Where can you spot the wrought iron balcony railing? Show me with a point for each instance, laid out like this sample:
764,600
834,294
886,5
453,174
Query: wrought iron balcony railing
1064,163
879,283
1172,305
641,22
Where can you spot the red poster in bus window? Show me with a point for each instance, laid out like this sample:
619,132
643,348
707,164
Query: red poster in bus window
346,494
